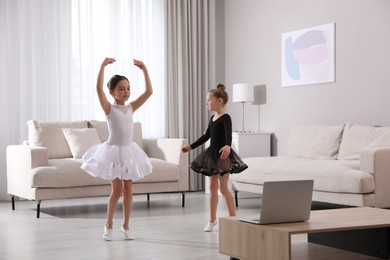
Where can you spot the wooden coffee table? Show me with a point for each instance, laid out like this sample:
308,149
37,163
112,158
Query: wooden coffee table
249,241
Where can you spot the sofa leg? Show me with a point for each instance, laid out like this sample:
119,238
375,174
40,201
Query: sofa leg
183,198
13,202
38,207
236,197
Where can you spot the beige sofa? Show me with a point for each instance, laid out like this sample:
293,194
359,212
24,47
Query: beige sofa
350,164
47,166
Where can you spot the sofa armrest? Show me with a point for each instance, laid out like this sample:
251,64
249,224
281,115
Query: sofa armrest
27,157
169,149
377,162
21,159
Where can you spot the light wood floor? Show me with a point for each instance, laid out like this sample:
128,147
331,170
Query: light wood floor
72,229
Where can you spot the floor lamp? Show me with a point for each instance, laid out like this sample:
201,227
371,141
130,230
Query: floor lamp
243,92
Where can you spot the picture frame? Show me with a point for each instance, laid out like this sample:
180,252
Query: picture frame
308,56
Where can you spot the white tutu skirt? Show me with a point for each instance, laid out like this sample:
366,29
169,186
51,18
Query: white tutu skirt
111,162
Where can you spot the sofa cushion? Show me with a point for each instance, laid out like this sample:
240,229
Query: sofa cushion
80,140
163,171
359,137
64,172
343,176
67,173
50,135
315,141
102,129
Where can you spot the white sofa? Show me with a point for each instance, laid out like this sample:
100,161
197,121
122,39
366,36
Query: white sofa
349,163
47,166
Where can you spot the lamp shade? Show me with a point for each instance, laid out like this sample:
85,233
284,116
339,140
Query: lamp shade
243,92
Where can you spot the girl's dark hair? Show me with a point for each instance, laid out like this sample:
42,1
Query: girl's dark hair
114,81
220,92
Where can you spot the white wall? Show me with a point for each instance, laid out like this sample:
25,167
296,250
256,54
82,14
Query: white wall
361,92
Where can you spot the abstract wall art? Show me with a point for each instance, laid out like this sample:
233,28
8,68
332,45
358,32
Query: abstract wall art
308,56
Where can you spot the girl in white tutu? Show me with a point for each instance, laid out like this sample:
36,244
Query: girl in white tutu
119,160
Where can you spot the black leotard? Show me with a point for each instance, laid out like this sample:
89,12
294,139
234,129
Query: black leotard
219,132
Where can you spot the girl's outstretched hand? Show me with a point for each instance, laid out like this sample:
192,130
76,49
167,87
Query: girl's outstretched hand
186,148
139,64
108,61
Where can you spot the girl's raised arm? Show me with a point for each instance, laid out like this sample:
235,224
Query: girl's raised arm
99,86
148,87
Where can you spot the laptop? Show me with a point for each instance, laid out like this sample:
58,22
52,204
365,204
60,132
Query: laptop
284,202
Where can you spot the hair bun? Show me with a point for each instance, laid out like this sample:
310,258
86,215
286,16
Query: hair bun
221,86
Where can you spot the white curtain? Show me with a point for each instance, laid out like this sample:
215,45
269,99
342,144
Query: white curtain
190,65
50,54
123,29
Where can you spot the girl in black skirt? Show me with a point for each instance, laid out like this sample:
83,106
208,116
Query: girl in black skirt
218,160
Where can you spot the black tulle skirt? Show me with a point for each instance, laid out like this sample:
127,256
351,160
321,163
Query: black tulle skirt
209,163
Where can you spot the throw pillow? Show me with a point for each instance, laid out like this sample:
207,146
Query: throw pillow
80,140
50,135
358,137
101,128
315,141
